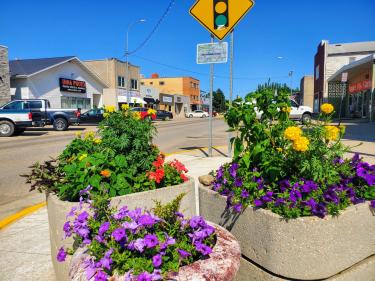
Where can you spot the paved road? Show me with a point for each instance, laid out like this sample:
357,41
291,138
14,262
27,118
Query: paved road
18,153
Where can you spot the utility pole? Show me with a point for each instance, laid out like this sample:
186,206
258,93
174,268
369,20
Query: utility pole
230,86
210,106
291,82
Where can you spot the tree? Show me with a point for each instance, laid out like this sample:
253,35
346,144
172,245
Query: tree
218,101
275,86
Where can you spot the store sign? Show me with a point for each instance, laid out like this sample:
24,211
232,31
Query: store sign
167,99
360,86
74,86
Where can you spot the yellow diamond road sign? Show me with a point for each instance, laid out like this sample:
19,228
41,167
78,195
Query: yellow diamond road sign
220,16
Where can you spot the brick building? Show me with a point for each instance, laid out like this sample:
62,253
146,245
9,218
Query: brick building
4,76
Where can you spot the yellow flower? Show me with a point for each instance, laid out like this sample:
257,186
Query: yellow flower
331,133
106,173
327,108
125,107
89,135
110,108
83,156
137,115
105,114
279,149
78,134
301,144
151,111
286,109
292,133
97,141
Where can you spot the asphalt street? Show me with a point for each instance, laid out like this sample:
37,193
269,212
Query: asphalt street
18,153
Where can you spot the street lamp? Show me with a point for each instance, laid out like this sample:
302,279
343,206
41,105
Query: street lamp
127,56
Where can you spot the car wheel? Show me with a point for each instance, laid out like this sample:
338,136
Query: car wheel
60,124
306,118
191,116
6,128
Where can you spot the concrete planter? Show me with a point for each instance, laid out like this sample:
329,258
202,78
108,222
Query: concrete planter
58,209
306,248
222,264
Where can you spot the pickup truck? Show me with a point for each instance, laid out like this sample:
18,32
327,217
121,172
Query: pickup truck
61,119
15,121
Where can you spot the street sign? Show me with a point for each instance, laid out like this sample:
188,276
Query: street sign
344,77
220,16
212,53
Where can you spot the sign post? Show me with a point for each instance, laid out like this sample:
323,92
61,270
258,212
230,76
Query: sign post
344,79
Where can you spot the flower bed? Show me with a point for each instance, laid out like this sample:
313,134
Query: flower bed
134,244
293,186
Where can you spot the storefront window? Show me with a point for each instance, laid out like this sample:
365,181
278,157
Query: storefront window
73,103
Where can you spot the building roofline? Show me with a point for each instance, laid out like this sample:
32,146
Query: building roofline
171,77
4,46
108,59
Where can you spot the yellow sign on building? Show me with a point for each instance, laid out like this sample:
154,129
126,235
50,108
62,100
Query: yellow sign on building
220,16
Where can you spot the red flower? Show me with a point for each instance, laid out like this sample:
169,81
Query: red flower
157,176
178,166
153,116
144,114
159,162
184,178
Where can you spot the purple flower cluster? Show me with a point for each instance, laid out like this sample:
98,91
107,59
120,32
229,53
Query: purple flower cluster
303,194
141,234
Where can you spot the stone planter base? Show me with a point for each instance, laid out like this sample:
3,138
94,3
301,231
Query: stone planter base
362,271
222,264
57,211
307,248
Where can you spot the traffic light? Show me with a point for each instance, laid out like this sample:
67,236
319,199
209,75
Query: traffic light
221,14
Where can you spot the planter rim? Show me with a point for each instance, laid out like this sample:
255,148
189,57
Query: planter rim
304,218
54,194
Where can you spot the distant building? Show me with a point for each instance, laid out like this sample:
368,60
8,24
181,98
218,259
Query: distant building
65,81
332,57
114,72
307,91
183,86
4,76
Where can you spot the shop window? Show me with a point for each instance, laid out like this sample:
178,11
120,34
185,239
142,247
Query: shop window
317,72
142,83
73,103
134,84
161,83
120,81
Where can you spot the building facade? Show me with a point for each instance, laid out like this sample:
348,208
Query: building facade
330,58
64,81
184,86
4,76
354,98
117,75
307,91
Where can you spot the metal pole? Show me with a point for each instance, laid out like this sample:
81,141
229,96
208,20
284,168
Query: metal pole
127,66
342,99
230,86
210,108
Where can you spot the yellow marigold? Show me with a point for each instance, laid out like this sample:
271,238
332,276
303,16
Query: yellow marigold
106,173
89,135
125,107
286,109
301,144
137,115
78,134
97,141
105,114
331,132
279,149
292,133
110,108
83,156
151,111
327,108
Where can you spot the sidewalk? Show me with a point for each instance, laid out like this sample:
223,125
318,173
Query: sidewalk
25,247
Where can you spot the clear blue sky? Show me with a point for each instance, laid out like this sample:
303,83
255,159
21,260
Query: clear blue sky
96,29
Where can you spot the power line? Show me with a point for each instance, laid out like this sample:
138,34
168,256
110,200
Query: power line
154,29
207,74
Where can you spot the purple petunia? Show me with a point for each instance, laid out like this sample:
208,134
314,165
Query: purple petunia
148,220
119,234
156,260
67,229
372,204
309,186
103,228
106,261
137,244
85,191
61,255
220,173
245,194
144,276
319,210
101,276
197,221
183,254
151,240
237,207
284,185
331,196
279,201
122,213
258,203
203,249
233,170
238,182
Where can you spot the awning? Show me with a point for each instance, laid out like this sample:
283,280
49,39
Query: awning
133,100
149,100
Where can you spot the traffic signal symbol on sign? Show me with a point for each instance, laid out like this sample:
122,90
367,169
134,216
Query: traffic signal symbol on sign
220,16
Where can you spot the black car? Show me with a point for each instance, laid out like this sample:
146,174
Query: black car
164,115
93,116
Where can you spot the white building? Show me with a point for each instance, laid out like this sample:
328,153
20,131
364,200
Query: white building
65,81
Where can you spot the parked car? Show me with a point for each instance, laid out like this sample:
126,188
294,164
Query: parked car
142,109
15,118
196,113
61,119
92,116
164,115
214,113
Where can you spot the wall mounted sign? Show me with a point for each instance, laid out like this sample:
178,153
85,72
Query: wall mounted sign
360,86
74,86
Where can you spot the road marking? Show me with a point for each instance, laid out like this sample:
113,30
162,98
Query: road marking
27,211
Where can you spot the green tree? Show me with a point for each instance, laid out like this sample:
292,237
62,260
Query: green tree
218,102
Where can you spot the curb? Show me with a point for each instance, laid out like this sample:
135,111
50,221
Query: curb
27,211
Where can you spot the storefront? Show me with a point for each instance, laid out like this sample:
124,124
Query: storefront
150,95
65,82
356,96
166,102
